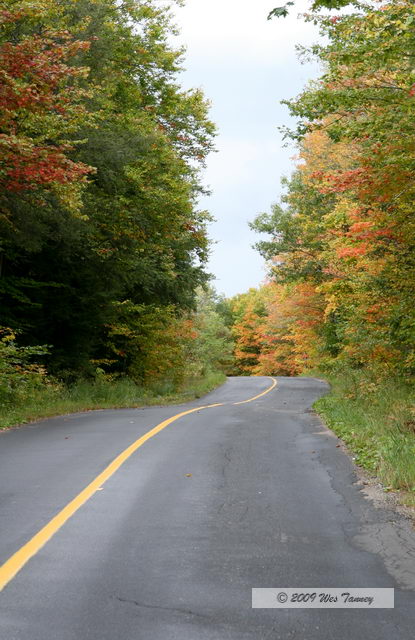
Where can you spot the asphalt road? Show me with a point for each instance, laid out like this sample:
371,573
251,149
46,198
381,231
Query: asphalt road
220,501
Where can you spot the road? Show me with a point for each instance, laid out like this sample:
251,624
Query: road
169,545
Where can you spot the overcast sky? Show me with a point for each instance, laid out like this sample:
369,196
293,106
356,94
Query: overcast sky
245,66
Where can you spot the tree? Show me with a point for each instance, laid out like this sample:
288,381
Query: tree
41,107
249,311
211,348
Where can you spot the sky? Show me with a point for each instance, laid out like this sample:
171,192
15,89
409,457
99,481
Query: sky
245,65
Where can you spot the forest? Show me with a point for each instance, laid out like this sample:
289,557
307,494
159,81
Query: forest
103,247
105,297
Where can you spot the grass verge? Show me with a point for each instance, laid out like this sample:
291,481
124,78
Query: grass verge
376,419
53,400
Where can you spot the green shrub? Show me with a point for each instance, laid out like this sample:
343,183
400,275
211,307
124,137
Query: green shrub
19,376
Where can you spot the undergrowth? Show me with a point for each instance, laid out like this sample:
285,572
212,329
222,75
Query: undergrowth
53,398
376,419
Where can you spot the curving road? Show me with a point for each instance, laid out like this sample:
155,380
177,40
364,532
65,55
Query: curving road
169,545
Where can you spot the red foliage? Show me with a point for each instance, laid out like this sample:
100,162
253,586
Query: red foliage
38,85
38,167
352,252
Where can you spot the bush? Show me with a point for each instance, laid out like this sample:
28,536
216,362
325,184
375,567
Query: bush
19,377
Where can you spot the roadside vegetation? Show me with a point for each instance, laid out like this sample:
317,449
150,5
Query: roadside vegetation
184,367
51,398
376,420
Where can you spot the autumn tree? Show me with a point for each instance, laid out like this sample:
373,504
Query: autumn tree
249,311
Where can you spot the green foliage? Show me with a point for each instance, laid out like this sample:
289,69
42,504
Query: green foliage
149,343
105,392
376,419
20,377
280,12
333,4
74,251
211,348
295,230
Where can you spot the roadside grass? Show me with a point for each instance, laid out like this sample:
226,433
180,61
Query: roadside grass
56,399
376,419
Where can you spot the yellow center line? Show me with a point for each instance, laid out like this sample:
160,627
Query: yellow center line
18,560
274,384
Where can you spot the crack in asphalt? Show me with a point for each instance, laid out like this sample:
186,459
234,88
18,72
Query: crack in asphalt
143,605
